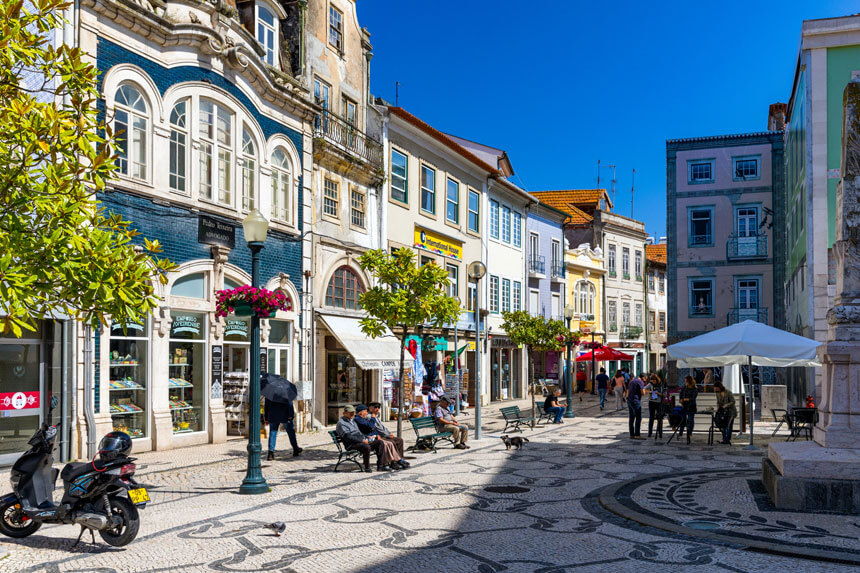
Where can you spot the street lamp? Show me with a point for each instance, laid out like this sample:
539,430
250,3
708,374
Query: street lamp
256,227
568,316
477,270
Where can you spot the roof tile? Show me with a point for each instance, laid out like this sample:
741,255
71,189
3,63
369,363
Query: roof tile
656,253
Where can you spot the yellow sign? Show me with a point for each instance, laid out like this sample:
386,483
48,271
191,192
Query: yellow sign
436,243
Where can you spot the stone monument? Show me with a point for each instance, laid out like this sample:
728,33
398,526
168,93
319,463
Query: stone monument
824,474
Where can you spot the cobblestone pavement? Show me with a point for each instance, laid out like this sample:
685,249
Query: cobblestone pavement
485,509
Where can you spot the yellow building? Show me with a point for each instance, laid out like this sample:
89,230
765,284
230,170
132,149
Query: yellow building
585,292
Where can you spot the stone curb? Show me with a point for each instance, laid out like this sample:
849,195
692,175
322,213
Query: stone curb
608,497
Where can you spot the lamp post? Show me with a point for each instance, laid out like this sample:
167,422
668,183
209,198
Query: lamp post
477,270
256,227
568,316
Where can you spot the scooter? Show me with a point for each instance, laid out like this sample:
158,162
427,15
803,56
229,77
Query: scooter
99,495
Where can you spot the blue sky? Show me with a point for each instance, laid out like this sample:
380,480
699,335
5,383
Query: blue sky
561,84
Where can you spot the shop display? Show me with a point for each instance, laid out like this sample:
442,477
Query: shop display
236,401
128,378
186,381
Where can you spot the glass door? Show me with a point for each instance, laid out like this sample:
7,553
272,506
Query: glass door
748,299
21,392
506,373
278,353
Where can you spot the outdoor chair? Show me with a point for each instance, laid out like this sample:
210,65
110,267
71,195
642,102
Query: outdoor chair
514,419
801,421
780,416
343,454
427,435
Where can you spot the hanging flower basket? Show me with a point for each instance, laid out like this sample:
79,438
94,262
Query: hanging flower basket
249,301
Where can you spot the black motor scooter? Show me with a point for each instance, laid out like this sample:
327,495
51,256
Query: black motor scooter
99,495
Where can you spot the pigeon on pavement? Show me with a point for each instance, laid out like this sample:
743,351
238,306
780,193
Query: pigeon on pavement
278,527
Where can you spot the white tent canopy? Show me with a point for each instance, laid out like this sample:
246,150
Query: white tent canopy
745,342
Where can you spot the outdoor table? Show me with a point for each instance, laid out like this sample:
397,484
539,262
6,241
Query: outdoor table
710,413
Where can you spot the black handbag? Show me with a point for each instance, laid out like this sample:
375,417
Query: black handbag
722,418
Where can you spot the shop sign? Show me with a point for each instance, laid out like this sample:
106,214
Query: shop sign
503,342
436,243
19,400
235,327
380,365
211,231
264,352
217,369
185,323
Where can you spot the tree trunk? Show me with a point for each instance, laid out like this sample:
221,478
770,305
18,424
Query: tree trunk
400,385
531,377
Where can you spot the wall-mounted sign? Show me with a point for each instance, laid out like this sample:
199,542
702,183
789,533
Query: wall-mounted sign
19,400
217,368
439,244
211,231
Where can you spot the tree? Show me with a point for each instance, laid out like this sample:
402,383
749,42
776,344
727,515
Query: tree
59,249
537,334
404,297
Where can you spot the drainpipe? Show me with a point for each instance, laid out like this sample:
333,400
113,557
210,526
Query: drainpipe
303,8
89,412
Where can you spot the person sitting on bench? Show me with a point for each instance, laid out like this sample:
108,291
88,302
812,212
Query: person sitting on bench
446,422
384,433
347,430
390,457
551,406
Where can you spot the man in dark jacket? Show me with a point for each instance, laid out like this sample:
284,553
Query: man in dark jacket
375,427
275,414
347,430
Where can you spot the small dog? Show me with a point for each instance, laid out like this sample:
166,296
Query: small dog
515,441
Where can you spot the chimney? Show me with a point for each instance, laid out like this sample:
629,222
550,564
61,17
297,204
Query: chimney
776,116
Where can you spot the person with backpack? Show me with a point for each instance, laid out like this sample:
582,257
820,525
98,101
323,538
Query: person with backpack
635,389
655,392
727,411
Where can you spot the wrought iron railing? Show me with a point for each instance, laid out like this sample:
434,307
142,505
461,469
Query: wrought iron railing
629,331
612,274
558,270
746,247
626,276
701,309
336,130
737,315
537,264
613,327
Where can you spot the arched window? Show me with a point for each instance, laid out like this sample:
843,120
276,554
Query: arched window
249,169
216,153
179,147
281,182
343,289
191,286
267,33
131,126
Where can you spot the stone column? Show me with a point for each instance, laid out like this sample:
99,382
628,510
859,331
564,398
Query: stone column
825,473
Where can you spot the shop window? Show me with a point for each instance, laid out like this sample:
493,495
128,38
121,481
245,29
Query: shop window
190,286
20,373
128,380
278,353
187,371
343,290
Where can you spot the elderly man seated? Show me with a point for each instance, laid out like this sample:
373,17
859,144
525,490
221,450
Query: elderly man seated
347,430
376,427
389,457
446,422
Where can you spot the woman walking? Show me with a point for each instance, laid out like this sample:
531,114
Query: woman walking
620,386
726,403
688,396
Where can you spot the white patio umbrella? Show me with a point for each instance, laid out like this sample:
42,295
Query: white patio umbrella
747,342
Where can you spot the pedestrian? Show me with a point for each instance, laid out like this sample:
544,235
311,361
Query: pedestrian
654,389
276,414
688,402
726,404
551,406
620,386
580,383
602,385
634,406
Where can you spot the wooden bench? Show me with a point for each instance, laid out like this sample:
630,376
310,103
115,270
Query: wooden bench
515,419
427,435
344,454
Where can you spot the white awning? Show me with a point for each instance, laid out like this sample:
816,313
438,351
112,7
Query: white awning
369,353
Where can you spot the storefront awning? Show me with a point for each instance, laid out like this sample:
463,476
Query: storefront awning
369,353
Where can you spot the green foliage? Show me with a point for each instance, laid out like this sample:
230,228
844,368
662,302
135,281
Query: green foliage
405,295
536,332
59,250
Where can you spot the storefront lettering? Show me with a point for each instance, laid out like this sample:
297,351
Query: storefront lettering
211,231
236,328
435,243
185,323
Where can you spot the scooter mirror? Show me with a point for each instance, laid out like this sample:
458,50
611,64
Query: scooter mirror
54,403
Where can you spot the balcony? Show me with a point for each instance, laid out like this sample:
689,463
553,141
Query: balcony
746,247
613,327
537,267
583,317
557,272
737,315
626,276
341,147
630,332
612,274
701,310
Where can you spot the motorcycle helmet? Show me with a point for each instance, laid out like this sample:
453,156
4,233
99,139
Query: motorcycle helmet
114,445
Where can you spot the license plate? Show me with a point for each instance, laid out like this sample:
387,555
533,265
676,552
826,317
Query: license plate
138,495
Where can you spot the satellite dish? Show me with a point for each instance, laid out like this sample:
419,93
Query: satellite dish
477,270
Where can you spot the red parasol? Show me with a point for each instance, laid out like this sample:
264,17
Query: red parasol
604,353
